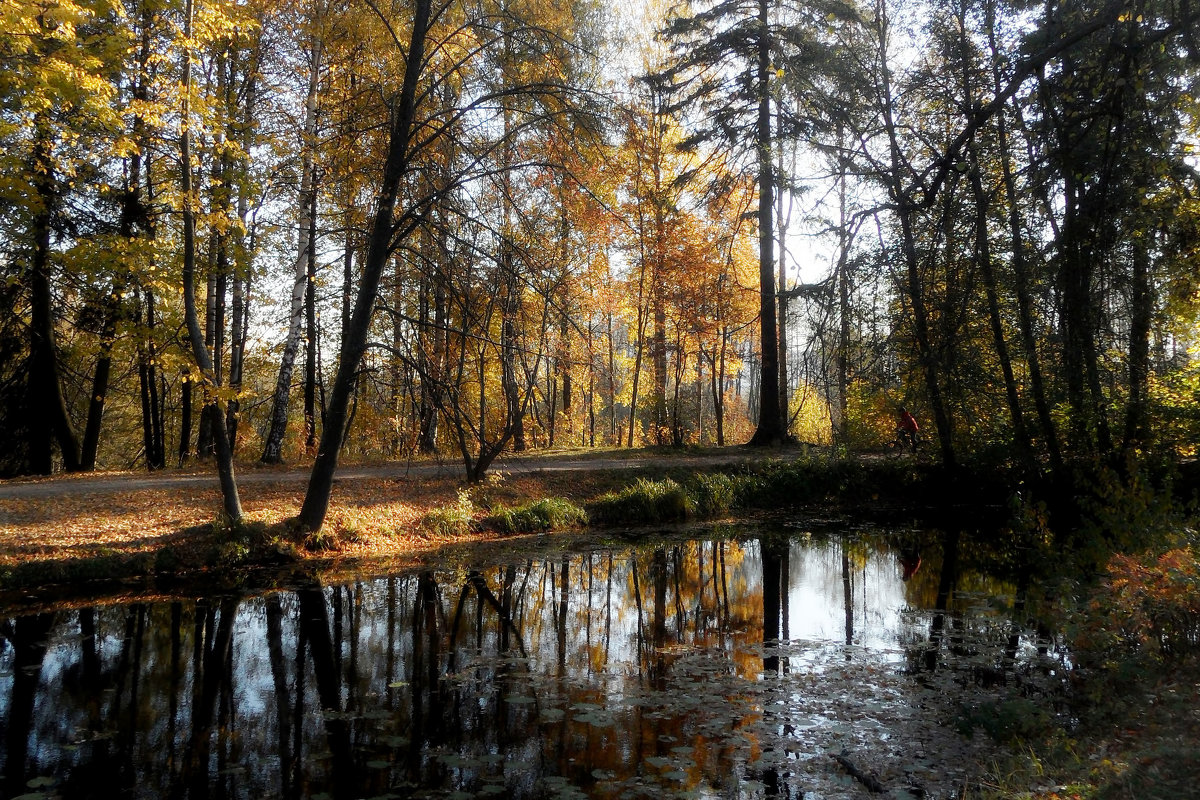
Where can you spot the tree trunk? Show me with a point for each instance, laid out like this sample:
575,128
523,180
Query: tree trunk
152,432
782,230
273,447
99,394
1021,279
185,418
310,346
1141,315
229,491
510,307
383,231
242,260
770,417
983,258
431,388
905,211
47,406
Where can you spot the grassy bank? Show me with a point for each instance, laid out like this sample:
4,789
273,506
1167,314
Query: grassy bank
83,534
87,536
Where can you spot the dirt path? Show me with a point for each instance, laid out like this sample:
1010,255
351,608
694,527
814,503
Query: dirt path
98,483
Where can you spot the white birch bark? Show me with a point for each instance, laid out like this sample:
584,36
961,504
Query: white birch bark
273,449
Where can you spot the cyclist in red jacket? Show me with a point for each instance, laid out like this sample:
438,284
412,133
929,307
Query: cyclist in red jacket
906,431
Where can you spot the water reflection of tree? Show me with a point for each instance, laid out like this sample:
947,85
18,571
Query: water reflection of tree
356,689
27,636
774,554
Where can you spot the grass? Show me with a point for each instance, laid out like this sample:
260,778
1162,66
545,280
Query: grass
450,520
546,514
643,502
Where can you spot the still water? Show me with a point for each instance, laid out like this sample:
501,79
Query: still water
739,663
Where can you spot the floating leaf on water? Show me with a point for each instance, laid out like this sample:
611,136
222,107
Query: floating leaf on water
552,715
658,761
676,775
603,774
395,741
518,700
455,761
598,720
494,788
397,684
43,782
379,764
31,796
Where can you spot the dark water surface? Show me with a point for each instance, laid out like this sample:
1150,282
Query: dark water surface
618,671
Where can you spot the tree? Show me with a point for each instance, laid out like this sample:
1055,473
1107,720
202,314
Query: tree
730,59
212,406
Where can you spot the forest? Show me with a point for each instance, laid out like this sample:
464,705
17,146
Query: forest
311,231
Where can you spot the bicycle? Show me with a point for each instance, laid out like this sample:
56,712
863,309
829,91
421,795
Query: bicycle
904,440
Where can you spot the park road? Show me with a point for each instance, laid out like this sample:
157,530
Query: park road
80,484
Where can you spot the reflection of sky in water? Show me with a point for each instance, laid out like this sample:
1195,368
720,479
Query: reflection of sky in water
817,596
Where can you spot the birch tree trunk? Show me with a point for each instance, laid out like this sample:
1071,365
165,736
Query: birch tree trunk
273,448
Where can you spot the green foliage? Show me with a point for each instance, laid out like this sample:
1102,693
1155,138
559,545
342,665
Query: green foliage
643,502
1012,720
455,519
786,484
1123,512
713,493
549,513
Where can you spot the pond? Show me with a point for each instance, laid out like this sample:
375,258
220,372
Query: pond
721,662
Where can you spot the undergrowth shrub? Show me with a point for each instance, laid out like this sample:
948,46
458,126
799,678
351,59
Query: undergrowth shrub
550,513
455,519
643,502
782,484
713,493
1147,609
1127,512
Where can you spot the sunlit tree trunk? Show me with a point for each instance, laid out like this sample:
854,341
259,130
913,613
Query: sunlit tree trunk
310,341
